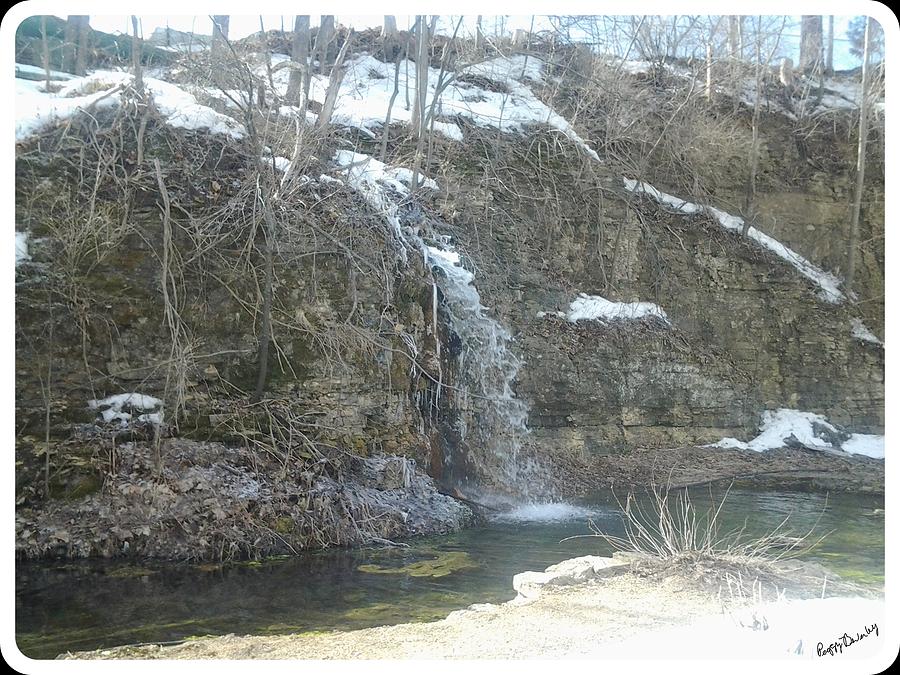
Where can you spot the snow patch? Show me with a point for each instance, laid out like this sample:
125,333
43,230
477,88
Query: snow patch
112,408
869,445
23,68
828,283
787,630
368,85
859,330
779,427
36,111
22,248
595,308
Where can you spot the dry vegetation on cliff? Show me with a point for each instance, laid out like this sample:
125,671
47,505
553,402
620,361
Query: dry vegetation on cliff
194,233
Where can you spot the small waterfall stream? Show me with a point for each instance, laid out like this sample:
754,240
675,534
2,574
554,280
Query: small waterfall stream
490,421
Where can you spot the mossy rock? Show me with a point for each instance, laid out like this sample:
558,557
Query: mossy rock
443,565
130,572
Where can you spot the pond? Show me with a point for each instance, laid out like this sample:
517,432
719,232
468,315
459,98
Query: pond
77,606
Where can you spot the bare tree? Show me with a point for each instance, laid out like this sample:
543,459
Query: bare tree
860,159
84,34
219,34
334,85
136,56
829,48
810,45
760,60
417,122
300,76
389,28
324,36
75,44
45,52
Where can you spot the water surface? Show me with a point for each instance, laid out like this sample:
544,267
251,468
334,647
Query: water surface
69,607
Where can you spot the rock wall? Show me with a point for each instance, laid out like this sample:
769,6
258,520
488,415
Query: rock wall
354,338
747,332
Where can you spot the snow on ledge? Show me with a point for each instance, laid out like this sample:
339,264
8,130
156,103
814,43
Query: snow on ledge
828,283
810,430
36,111
596,308
869,445
22,248
859,330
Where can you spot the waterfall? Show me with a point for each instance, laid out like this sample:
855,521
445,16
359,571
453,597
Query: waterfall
491,421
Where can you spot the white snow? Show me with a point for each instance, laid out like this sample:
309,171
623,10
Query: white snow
778,426
785,630
35,70
368,84
859,330
595,308
182,110
869,445
111,408
22,248
36,110
828,283
382,186
133,399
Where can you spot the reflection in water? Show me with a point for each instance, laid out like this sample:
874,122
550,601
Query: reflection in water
63,607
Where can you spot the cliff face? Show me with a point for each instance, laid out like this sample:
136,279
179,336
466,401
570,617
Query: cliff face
360,359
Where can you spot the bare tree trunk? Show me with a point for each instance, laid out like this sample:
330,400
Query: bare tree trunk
136,57
860,159
389,28
479,34
829,53
811,45
421,91
709,87
334,85
219,34
323,38
734,37
45,52
750,198
70,43
266,329
387,119
84,34
300,54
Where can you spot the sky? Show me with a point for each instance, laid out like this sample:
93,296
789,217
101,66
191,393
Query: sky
243,25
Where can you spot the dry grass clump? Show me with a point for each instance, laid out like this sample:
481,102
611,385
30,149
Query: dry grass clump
669,527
